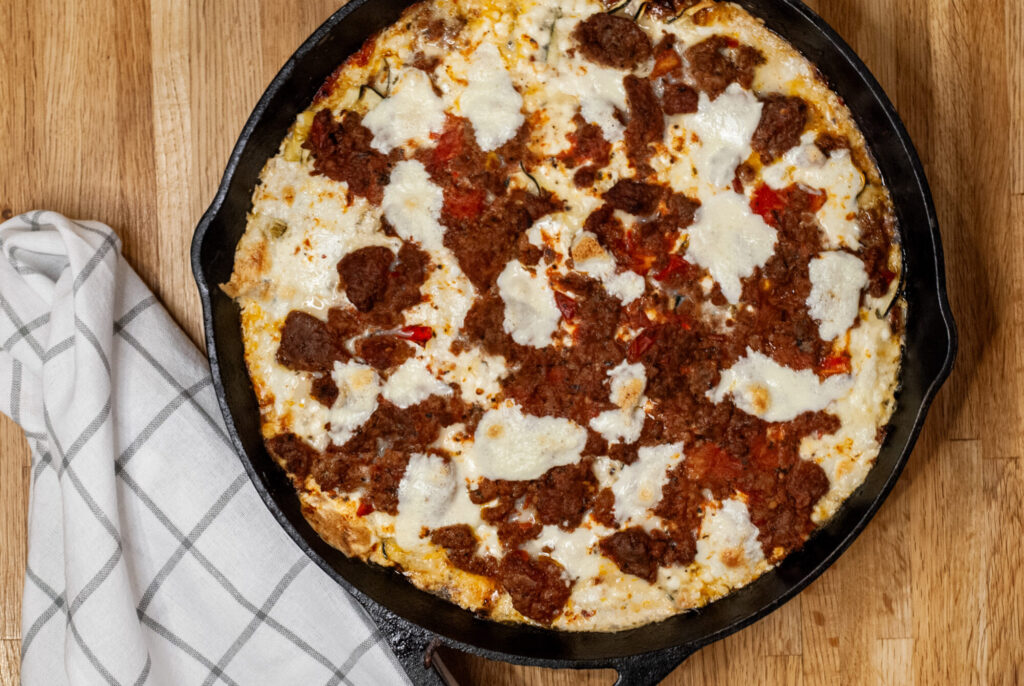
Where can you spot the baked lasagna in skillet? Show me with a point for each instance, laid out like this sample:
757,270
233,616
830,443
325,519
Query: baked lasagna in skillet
578,315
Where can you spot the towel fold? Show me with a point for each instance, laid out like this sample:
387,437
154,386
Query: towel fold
151,559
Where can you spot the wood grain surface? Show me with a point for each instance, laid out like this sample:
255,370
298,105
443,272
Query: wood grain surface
125,111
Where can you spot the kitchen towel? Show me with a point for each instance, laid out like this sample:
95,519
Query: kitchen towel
151,558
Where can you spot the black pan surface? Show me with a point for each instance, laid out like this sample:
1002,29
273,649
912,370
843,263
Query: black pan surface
415,622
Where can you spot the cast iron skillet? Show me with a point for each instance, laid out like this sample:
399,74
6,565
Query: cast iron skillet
415,622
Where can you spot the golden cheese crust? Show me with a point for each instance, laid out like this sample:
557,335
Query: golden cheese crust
577,315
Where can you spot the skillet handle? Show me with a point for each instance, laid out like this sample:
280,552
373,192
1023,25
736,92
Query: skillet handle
650,669
414,647
417,653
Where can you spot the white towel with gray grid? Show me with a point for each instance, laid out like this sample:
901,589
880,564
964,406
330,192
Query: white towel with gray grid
151,559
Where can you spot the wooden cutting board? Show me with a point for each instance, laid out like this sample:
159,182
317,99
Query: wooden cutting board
125,111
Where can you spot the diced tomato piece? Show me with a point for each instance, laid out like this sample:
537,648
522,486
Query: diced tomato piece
711,466
639,345
676,265
364,509
462,203
766,451
818,199
641,262
449,143
766,201
566,305
665,62
835,364
417,334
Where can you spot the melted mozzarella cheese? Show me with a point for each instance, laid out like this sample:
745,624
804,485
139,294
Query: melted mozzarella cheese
637,487
625,423
577,550
619,425
847,455
511,445
725,126
836,174
837,279
550,232
627,382
477,374
412,203
449,295
627,286
323,224
434,493
490,101
729,240
425,494
412,383
600,92
409,115
764,388
531,314
358,386
728,548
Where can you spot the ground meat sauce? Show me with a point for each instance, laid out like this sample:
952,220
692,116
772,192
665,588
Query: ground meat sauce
484,246
571,382
780,288
646,123
380,293
564,495
876,236
678,98
309,344
439,30
612,41
324,390
469,177
587,146
538,586
383,352
414,428
385,473
636,551
829,142
363,275
718,61
783,119
297,455
341,152
403,287
604,508
635,197
460,544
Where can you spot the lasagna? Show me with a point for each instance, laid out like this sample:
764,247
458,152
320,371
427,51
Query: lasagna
578,315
